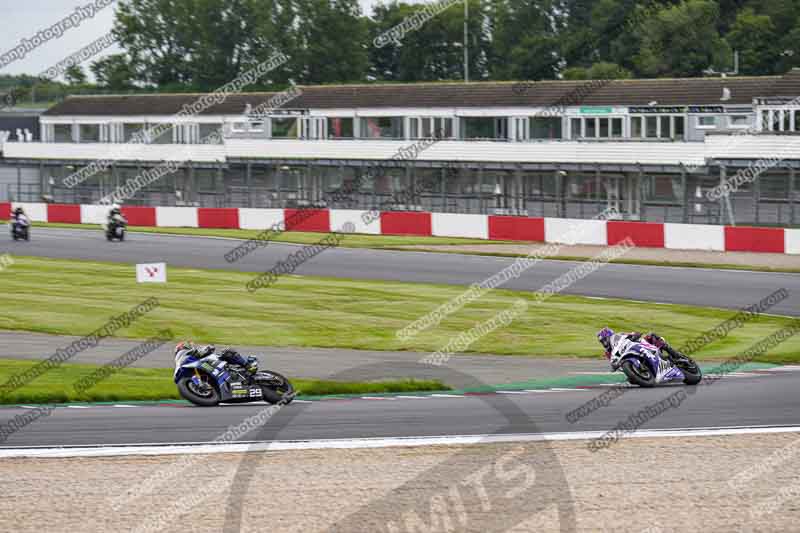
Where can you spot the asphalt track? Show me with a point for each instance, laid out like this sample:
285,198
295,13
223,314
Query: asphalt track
771,399
693,286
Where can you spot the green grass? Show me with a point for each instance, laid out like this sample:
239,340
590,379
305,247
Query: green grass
297,237
76,297
137,384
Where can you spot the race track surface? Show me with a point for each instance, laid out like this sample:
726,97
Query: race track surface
693,286
760,400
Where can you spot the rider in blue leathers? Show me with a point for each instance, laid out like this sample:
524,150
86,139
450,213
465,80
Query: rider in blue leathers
228,355
605,334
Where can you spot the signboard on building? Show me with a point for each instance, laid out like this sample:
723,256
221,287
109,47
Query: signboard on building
592,110
671,110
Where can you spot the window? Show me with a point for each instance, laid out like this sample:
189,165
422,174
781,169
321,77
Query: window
382,128
591,128
62,133
160,133
284,127
427,127
90,133
636,127
707,122
664,131
443,128
797,121
545,128
651,124
787,115
239,127
575,127
133,132
604,127
739,121
257,126
484,128
765,122
616,127
210,133
679,129
340,128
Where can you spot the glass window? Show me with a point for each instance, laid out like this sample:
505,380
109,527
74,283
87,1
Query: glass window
679,129
478,127
133,132
786,120
575,126
636,127
709,121
443,128
209,133
616,127
765,123
257,126
160,133
426,127
591,128
651,124
545,128
797,121
664,127
382,127
340,128
284,127
604,127
739,121
413,126
62,133
90,133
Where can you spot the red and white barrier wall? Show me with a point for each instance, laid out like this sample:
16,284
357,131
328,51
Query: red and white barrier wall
557,230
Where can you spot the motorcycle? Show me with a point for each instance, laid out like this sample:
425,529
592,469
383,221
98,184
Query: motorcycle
208,381
115,228
643,365
20,228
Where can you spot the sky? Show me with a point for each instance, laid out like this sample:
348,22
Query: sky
23,19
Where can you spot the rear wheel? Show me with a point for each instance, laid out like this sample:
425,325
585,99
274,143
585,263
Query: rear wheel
638,375
204,395
277,390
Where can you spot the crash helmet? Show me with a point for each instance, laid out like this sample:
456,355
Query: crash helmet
184,345
604,336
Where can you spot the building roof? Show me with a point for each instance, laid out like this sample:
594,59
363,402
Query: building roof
673,91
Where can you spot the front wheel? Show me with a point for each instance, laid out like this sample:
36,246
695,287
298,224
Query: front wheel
640,375
692,375
277,390
204,395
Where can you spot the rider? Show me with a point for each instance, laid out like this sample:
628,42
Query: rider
228,355
605,334
16,213
114,214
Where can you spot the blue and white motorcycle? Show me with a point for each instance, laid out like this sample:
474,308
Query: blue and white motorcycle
643,365
208,381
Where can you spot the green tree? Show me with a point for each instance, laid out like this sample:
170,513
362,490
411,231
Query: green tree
114,72
682,40
75,75
525,40
755,38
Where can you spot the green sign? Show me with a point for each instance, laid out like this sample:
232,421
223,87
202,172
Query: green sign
596,110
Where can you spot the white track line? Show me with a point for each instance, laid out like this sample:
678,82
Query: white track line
446,396
367,443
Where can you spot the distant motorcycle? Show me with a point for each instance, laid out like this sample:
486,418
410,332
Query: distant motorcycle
116,228
643,365
20,228
208,381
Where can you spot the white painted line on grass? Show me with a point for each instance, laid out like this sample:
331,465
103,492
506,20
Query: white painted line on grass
446,396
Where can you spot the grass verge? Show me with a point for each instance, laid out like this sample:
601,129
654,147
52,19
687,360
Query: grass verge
137,384
71,297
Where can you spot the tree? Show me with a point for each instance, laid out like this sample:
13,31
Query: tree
758,44
682,40
75,75
114,72
525,41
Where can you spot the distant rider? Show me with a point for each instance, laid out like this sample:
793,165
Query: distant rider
605,334
228,355
115,215
18,215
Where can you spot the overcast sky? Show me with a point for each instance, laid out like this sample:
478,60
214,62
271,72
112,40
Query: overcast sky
23,19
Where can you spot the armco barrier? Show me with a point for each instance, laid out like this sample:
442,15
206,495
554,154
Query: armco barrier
226,218
307,220
405,223
647,234
554,230
176,217
459,225
792,241
744,239
694,237
140,216
516,229
64,213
